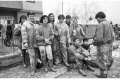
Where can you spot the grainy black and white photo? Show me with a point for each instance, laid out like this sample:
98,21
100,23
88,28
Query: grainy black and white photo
59,39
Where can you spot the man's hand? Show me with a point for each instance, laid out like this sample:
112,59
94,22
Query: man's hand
89,59
86,53
74,32
26,45
56,34
47,40
69,40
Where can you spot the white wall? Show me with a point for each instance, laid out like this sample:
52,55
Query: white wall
37,6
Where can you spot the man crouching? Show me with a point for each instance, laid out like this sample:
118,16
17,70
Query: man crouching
79,54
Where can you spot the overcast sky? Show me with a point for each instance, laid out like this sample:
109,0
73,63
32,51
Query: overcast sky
110,7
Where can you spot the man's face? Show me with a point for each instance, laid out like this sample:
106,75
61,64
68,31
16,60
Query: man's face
45,20
68,20
61,20
85,42
99,20
75,21
23,20
51,17
77,41
31,18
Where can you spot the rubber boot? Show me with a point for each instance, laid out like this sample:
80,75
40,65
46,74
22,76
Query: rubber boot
82,72
32,69
51,65
90,68
103,74
66,63
45,65
80,67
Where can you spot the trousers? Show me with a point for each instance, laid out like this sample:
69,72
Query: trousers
104,57
64,52
31,52
46,50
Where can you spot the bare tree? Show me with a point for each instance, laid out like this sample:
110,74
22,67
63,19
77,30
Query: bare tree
88,10
57,10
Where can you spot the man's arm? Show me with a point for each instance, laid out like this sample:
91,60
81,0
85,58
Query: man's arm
51,33
24,33
68,35
99,33
82,32
38,34
55,30
71,28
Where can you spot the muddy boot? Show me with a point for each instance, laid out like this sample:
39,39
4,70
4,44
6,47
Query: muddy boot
51,65
32,72
45,65
103,74
45,69
111,62
66,64
90,68
82,72
57,61
24,65
80,67
32,69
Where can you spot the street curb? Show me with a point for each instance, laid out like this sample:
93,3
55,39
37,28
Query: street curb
12,58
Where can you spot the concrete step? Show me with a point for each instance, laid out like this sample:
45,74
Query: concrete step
12,58
7,62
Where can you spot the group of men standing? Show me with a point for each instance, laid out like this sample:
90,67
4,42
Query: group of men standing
54,40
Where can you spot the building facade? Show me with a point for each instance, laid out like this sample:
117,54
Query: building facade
10,11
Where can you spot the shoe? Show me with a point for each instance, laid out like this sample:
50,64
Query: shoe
69,68
75,65
90,68
89,59
24,65
39,61
54,70
46,69
82,72
101,76
32,72
66,64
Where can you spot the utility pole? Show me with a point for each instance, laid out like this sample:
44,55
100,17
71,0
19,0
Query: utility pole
62,7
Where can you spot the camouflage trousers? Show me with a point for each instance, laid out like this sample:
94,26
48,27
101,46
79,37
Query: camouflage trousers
104,57
57,58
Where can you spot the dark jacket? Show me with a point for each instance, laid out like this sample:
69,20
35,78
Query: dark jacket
104,32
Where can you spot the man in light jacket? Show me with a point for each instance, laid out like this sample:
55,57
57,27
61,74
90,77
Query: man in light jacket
62,30
28,40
